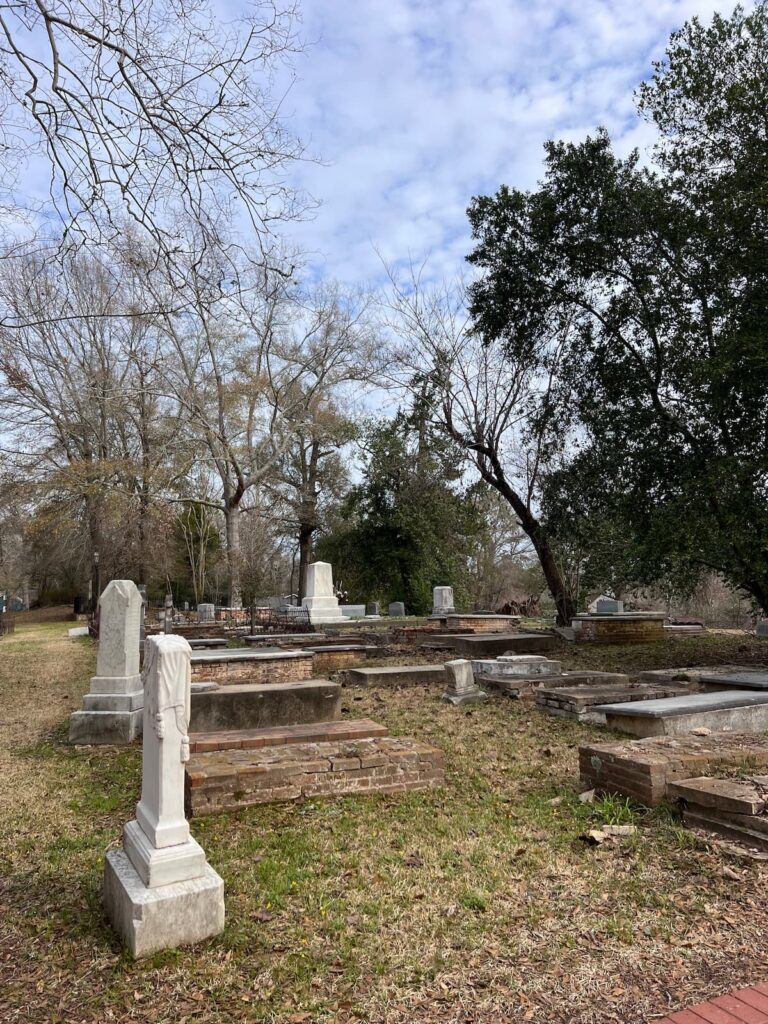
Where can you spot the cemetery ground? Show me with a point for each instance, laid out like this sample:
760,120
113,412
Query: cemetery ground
478,902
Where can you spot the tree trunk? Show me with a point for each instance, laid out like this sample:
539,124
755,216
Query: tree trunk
305,554
565,602
232,520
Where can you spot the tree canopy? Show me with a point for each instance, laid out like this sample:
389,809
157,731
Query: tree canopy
660,273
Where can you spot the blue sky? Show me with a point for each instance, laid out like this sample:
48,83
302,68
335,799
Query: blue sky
414,106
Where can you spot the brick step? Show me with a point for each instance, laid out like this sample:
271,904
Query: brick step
227,780
312,732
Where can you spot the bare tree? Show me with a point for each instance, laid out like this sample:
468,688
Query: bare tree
83,415
339,362
158,111
497,409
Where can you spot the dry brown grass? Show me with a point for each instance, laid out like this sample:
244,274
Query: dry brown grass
477,903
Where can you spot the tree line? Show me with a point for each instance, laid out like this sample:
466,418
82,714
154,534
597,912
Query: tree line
585,410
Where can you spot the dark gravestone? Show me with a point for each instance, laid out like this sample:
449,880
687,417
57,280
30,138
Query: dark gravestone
397,608
372,608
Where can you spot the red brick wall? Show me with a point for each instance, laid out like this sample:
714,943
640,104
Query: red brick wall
224,781
267,670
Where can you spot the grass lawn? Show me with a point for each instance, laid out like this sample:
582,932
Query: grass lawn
474,903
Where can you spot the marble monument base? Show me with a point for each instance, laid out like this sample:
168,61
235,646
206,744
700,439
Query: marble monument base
475,696
323,609
98,727
149,919
111,712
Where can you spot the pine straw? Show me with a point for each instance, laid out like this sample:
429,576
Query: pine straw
476,903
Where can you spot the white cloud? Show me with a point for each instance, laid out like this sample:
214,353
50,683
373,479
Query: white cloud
417,105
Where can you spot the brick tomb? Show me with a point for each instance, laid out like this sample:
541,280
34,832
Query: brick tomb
643,769
229,771
243,665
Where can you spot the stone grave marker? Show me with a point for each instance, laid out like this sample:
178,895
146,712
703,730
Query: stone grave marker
397,608
159,890
111,711
373,608
442,601
206,612
462,688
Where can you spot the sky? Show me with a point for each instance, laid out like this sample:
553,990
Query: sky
415,106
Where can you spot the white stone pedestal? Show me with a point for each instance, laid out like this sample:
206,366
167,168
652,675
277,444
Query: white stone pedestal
159,891
164,917
112,709
321,601
461,684
442,601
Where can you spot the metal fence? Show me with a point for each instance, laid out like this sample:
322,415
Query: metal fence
272,620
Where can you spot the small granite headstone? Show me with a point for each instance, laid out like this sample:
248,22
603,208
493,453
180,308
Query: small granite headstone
608,606
462,688
762,628
372,608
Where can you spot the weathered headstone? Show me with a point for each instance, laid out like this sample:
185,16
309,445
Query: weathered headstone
442,601
159,890
608,606
762,628
321,601
462,688
373,608
111,711
397,608
206,612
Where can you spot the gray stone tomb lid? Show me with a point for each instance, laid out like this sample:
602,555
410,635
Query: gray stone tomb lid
691,704
744,680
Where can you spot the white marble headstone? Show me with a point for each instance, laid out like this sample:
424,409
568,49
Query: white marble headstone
442,601
320,580
119,629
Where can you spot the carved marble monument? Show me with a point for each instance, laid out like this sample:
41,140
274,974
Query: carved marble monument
442,601
111,711
321,600
159,890
462,688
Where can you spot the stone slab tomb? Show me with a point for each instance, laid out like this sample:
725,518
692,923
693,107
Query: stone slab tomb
396,675
159,890
582,702
735,680
462,688
264,705
493,644
643,769
732,710
112,709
